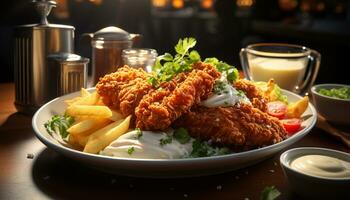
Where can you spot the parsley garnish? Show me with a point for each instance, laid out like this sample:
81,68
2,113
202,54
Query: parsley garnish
227,70
167,65
131,150
204,149
220,87
139,133
269,193
182,136
240,93
167,140
59,125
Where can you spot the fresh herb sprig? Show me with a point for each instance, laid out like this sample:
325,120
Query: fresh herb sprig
227,70
167,65
59,125
270,193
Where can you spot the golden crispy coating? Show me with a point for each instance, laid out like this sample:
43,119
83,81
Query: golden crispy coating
158,109
123,89
241,126
256,96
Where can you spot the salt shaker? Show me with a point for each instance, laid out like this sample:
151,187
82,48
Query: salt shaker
32,43
140,58
67,73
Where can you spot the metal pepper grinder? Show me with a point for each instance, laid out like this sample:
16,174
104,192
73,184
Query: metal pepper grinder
32,45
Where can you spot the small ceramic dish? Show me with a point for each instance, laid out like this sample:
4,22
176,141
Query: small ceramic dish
332,109
313,186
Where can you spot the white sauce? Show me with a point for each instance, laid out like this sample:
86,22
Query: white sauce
228,97
322,166
147,146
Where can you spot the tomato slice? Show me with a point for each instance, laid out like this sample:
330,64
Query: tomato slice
292,125
277,109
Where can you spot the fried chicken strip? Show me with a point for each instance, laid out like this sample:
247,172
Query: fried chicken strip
256,96
158,109
124,89
240,126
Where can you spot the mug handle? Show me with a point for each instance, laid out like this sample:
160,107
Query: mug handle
244,63
312,71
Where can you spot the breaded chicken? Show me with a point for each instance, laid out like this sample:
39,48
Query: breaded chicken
159,108
129,91
240,126
256,96
124,89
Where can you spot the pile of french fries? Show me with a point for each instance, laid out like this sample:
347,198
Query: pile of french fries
96,125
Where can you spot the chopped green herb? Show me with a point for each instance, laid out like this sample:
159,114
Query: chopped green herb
219,87
270,193
182,136
139,133
59,125
131,150
340,93
166,140
241,93
204,149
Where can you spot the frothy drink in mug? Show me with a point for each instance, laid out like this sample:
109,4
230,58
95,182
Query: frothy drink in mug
293,67
288,73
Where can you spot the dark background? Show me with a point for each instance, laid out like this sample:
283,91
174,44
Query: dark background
221,27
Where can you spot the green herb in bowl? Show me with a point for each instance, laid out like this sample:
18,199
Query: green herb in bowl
340,93
332,102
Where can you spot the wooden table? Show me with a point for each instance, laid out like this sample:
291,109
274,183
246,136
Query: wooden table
50,175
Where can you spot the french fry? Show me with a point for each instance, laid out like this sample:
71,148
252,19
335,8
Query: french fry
100,102
116,116
103,137
93,111
72,140
269,88
84,92
86,126
82,140
90,99
78,140
296,109
72,101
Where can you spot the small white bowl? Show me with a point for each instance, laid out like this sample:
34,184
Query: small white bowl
315,186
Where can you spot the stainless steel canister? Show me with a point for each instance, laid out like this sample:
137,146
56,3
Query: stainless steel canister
32,45
67,73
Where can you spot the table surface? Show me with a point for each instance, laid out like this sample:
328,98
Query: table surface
50,175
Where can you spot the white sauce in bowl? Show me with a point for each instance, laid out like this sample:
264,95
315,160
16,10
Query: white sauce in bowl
132,145
322,166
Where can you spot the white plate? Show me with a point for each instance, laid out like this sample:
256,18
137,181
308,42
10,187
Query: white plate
165,167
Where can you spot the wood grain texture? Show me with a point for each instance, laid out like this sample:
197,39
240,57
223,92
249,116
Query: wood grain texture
50,175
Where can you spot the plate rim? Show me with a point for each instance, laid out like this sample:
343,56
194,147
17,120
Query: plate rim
230,156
